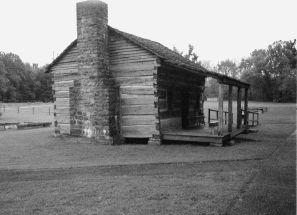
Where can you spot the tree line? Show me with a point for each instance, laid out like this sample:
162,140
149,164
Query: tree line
271,72
22,82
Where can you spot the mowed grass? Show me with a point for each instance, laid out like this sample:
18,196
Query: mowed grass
38,148
155,190
70,176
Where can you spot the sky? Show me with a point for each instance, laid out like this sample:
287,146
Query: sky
38,30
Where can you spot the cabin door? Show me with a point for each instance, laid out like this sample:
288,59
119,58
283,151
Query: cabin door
185,108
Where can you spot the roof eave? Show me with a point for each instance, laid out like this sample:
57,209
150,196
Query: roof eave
57,59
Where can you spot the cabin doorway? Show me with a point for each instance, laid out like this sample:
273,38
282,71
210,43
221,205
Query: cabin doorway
185,108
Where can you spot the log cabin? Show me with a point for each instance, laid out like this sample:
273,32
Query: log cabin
110,85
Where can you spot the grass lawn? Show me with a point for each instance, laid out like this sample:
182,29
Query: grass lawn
41,174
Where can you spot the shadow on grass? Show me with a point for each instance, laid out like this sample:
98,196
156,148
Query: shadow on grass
136,141
245,140
175,142
144,141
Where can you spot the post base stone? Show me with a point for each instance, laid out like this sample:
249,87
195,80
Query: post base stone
154,140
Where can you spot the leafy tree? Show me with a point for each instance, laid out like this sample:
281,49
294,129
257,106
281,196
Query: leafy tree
43,85
229,68
190,55
20,82
272,72
4,82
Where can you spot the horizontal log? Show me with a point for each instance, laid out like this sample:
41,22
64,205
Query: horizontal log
70,56
69,83
63,88
149,65
59,67
69,59
138,120
62,118
64,128
128,51
67,65
130,58
69,77
137,100
61,94
122,47
62,102
138,131
129,81
132,54
138,109
123,44
61,110
132,73
61,72
136,60
137,90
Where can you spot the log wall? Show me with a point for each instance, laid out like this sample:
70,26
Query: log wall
64,73
134,71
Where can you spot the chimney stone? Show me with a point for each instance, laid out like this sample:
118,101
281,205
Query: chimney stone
94,88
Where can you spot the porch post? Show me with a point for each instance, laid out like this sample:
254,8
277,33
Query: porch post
239,107
230,114
246,116
220,109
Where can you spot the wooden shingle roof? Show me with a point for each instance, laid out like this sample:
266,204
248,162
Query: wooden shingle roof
166,55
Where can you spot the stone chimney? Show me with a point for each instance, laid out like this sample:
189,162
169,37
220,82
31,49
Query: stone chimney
94,88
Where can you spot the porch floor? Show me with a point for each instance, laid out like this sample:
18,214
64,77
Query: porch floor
202,134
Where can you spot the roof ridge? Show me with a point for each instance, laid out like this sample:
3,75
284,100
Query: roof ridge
164,53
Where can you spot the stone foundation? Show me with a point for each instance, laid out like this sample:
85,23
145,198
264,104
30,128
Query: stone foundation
154,140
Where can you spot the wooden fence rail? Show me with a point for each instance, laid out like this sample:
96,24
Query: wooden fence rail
34,109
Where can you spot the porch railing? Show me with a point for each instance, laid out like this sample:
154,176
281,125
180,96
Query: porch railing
216,118
254,119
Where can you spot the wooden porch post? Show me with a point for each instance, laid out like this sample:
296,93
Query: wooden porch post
246,116
220,109
230,114
239,108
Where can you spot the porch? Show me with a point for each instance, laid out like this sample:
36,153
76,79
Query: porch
218,125
201,134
